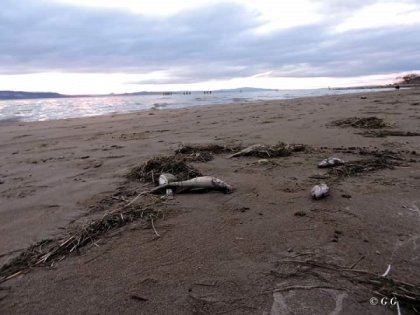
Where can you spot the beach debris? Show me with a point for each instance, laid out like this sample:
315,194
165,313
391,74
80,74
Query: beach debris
407,294
371,122
46,252
386,271
300,213
265,151
389,133
138,298
150,170
263,162
330,162
359,167
194,184
204,152
213,148
320,191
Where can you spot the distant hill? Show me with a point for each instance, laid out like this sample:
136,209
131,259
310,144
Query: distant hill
19,95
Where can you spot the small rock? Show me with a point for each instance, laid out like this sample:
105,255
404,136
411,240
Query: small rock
300,214
346,196
84,157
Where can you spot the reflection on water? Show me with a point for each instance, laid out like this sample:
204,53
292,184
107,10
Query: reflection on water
47,109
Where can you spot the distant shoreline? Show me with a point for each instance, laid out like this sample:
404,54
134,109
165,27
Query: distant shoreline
23,95
64,108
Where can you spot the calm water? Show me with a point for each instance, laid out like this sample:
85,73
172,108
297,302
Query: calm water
47,109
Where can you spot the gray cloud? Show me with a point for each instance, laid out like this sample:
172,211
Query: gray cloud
215,42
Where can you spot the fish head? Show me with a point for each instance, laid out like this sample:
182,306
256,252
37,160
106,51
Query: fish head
221,185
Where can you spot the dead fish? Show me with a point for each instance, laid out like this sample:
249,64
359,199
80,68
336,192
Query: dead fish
262,150
320,191
330,162
164,179
197,183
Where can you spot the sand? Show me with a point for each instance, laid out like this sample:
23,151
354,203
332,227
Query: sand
217,253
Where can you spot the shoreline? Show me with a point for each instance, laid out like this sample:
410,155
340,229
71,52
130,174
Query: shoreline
53,172
222,103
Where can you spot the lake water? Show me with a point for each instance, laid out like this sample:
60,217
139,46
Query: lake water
62,108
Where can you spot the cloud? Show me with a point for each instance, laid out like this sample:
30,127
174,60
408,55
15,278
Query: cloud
204,43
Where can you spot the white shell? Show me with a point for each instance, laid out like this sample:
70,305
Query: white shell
330,162
320,191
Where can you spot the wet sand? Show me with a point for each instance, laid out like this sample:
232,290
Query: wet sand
217,254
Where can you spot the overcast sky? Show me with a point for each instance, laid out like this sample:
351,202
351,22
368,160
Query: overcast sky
98,46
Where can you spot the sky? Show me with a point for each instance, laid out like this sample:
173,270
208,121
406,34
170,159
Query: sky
116,46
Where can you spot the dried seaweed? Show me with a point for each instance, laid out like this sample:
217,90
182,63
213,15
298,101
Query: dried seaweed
151,169
265,151
407,294
212,148
280,149
360,167
388,133
49,251
204,152
371,122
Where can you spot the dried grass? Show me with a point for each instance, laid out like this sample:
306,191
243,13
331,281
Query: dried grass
407,294
151,169
204,152
49,251
280,149
388,133
361,167
362,122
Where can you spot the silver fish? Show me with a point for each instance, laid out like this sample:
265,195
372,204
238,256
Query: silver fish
197,183
164,179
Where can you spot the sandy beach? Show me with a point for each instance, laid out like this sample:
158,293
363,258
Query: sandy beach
249,252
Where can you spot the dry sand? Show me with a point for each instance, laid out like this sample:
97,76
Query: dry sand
217,254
